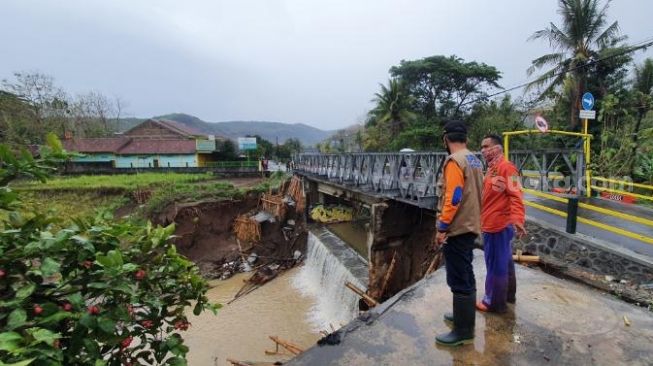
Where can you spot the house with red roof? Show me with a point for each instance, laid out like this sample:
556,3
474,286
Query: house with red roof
154,143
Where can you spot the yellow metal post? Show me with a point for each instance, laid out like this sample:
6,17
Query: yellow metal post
506,141
588,152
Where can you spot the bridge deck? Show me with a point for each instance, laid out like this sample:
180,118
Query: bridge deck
555,322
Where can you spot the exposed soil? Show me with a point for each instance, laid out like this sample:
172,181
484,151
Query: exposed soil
205,236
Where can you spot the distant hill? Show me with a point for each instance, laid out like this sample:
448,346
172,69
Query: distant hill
270,131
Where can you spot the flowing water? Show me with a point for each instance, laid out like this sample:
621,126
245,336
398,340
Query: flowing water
294,306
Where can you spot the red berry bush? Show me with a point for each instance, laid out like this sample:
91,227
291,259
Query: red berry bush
96,293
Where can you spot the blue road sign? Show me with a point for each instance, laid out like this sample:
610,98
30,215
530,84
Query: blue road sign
588,101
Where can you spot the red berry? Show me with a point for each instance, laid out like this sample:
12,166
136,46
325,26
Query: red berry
147,324
2,273
140,274
93,310
126,342
67,307
181,325
87,264
130,310
37,310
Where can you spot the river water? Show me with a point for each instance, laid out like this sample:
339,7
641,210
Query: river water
240,330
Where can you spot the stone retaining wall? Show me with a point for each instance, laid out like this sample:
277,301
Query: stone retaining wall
555,246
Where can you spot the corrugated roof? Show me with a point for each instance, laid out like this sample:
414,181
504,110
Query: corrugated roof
95,145
158,147
180,127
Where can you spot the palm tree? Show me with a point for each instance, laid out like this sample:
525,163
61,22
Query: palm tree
580,39
392,107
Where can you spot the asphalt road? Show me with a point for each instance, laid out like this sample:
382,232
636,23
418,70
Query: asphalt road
635,245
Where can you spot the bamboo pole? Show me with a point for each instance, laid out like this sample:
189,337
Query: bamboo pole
291,347
370,301
388,274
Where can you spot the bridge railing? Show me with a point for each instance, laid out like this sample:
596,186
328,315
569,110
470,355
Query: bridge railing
411,176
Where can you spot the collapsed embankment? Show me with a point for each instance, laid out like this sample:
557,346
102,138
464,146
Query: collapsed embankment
205,233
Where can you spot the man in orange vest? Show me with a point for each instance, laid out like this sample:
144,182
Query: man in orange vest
502,216
459,224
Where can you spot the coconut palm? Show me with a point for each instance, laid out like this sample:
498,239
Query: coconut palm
392,107
581,38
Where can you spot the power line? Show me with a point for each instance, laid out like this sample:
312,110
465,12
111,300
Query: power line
637,46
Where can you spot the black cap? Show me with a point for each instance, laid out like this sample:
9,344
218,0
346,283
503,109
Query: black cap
455,126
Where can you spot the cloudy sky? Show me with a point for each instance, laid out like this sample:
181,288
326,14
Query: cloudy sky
317,62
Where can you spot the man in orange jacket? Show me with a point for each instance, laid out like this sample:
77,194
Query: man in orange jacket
502,215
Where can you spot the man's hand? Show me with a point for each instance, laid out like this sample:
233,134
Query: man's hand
520,230
440,238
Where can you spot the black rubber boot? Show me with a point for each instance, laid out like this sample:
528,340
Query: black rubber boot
464,314
448,317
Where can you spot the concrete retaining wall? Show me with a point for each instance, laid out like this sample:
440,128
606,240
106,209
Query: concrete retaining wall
555,246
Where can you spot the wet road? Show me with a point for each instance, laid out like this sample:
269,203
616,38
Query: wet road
633,244
555,322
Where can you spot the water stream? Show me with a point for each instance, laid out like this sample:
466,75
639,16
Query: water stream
294,306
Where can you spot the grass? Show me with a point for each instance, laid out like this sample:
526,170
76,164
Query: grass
83,196
67,206
118,183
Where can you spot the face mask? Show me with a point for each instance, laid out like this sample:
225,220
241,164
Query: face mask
492,155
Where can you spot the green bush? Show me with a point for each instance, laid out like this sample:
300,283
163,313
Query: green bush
95,293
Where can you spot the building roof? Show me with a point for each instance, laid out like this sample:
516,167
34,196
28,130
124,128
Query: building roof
95,145
181,127
158,147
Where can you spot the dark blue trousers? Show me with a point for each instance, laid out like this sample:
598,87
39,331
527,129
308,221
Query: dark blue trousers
458,258
500,282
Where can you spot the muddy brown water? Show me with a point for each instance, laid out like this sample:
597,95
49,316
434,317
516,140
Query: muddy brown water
353,233
240,330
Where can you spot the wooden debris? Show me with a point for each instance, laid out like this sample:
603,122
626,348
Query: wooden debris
273,204
525,258
251,363
296,192
291,347
246,229
262,275
388,274
370,301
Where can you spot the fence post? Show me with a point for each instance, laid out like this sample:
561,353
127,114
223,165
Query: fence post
572,214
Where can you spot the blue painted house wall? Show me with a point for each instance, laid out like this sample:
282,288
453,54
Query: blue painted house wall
164,161
95,158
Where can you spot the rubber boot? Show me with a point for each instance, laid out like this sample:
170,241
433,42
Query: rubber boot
448,317
464,320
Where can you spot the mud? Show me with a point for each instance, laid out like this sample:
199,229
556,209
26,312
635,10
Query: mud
204,235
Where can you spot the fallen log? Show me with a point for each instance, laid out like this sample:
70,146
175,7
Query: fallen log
369,300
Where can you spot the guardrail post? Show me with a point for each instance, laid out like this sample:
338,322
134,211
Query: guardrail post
572,214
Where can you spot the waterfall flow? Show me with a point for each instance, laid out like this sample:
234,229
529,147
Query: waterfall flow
330,262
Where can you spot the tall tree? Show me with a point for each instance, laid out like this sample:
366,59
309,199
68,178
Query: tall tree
443,86
582,38
643,98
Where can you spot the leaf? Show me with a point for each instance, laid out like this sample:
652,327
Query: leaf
88,321
177,361
16,319
106,325
198,309
25,291
116,257
100,363
43,336
10,341
55,318
50,267
19,363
